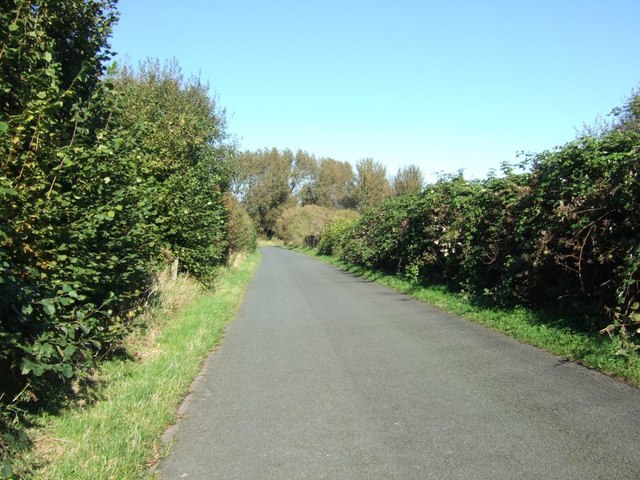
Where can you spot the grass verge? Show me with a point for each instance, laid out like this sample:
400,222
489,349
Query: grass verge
544,330
118,437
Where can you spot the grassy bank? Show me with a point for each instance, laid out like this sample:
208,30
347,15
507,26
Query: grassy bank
118,437
544,330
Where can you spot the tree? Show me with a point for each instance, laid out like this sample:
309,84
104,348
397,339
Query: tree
408,180
370,186
330,185
303,170
263,182
178,132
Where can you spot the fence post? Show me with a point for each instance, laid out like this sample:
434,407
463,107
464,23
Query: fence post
174,269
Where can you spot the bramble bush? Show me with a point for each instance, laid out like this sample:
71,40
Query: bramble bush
564,233
335,235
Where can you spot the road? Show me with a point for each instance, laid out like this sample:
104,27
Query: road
324,375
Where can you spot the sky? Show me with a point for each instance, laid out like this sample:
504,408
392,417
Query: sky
441,85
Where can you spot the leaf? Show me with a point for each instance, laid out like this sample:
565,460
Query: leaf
23,440
47,56
7,468
66,370
69,351
48,308
28,366
41,95
8,192
4,127
13,27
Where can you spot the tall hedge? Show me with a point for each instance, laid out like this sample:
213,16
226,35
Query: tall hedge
103,177
57,203
178,136
565,232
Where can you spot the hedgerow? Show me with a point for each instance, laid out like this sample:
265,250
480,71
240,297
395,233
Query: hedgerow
103,178
335,236
177,135
563,233
242,233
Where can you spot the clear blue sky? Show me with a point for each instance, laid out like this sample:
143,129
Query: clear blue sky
443,85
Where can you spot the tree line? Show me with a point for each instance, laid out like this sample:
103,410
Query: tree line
272,183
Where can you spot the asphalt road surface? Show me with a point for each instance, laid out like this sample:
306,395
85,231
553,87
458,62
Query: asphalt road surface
327,376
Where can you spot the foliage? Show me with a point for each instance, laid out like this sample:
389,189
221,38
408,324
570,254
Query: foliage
563,234
178,136
335,236
300,226
96,183
270,183
329,185
370,185
241,229
408,180
51,109
263,182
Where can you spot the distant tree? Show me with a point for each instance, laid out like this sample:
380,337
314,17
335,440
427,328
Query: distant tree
329,186
304,225
303,170
262,180
408,180
370,186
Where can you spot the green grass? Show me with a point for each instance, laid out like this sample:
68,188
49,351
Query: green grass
118,436
544,330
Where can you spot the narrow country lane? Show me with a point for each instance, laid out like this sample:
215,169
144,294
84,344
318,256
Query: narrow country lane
327,376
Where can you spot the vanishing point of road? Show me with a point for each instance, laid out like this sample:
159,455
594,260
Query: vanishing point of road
327,376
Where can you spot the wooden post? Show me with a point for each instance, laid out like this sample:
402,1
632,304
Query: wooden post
174,269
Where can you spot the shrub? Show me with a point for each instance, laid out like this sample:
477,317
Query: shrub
301,226
241,229
335,234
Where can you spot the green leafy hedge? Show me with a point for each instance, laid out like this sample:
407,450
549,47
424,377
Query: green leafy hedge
564,233
336,234
103,178
242,233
